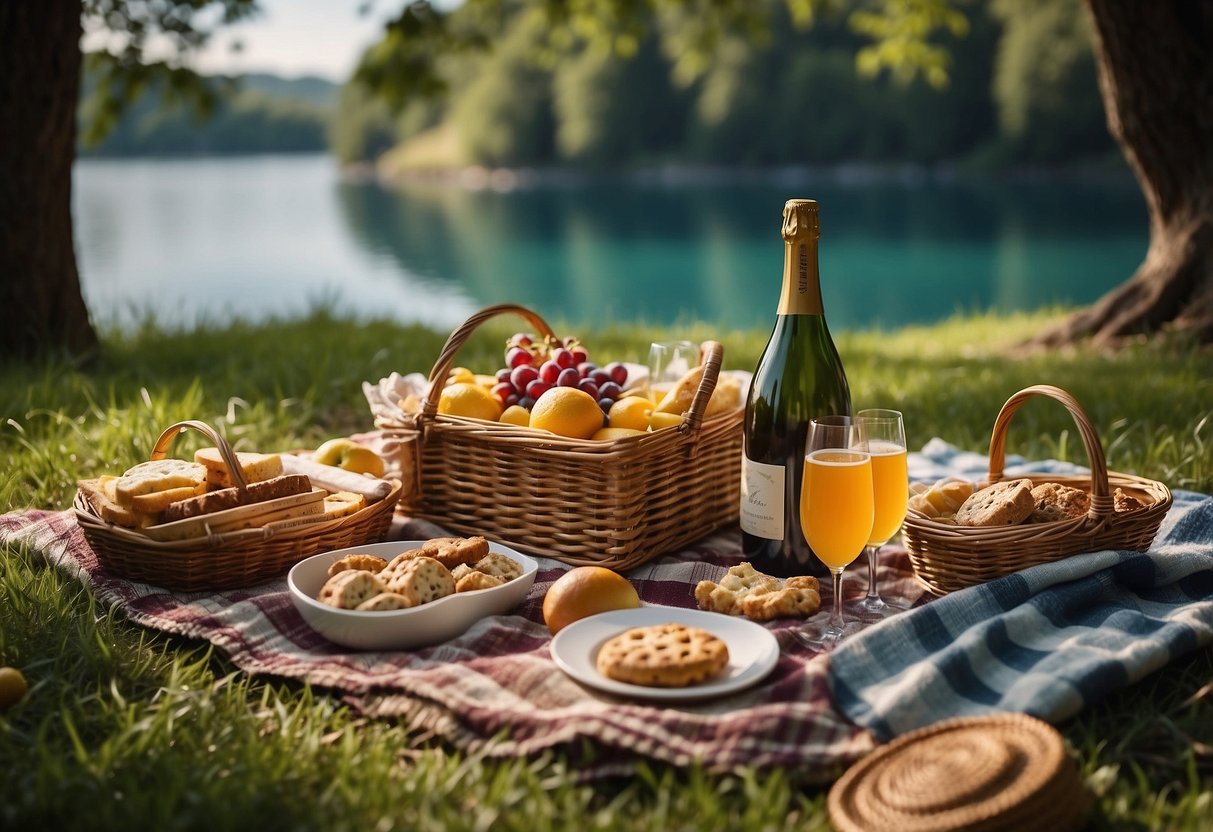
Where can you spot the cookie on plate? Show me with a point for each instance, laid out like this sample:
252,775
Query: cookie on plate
347,590
1000,504
664,655
422,580
499,566
360,562
452,551
474,580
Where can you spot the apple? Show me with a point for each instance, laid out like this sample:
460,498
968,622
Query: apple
348,454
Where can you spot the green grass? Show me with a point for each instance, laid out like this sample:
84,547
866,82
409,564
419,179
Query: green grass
124,727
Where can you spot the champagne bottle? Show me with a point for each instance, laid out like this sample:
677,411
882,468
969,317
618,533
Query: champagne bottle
798,378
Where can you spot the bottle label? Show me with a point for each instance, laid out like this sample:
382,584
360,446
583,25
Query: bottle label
762,489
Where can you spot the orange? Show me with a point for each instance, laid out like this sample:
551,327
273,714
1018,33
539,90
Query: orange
12,687
516,415
631,412
606,434
585,591
469,399
567,411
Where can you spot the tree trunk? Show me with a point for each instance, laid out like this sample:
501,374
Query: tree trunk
41,305
1155,60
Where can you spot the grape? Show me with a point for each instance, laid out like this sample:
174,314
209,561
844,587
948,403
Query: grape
549,371
503,390
605,404
586,367
527,401
537,388
521,339
522,376
563,357
588,385
568,378
619,373
517,356
503,375
580,356
600,377
512,399
610,390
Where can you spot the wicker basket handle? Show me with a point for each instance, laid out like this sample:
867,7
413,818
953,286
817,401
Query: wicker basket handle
1101,499
160,450
712,353
446,358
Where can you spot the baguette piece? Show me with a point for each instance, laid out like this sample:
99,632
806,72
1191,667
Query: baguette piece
679,399
256,467
100,495
225,498
334,479
158,501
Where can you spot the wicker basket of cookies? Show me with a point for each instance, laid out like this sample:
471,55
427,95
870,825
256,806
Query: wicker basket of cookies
960,534
614,502
225,519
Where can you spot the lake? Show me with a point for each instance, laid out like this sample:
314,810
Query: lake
211,239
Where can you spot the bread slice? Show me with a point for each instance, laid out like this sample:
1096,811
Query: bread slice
158,501
159,475
100,495
256,467
226,498
342,504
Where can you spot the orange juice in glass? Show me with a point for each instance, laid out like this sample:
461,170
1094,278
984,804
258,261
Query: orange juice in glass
836,512
881,433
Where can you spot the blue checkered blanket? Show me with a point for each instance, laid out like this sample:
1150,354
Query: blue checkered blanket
1046,641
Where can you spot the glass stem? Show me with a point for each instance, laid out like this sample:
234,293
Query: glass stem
836,613
873,592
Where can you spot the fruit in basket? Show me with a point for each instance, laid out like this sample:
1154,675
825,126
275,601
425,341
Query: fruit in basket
516,415
567,411
470,400
348,454
533,366
605,434
631,412
585,591
659,421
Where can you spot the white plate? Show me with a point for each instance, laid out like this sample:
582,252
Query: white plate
430,623
753,651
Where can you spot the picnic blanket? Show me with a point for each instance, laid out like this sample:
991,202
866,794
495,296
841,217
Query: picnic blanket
497,691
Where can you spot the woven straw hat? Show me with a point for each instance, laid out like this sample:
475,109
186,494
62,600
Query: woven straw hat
1004,772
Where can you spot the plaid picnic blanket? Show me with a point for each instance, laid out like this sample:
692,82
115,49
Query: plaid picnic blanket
497,691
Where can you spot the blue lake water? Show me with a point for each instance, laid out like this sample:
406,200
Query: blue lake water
211,239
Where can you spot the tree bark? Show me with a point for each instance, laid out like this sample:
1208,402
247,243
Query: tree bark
1155,60
41,305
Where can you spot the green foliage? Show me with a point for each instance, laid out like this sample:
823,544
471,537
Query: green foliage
124,727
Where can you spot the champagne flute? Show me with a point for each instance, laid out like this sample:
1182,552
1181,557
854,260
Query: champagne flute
882,434
836,513
668,362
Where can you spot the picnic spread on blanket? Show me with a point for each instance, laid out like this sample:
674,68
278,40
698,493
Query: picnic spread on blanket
517,586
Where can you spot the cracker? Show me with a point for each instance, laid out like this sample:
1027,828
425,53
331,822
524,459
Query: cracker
499,566
364,563
782,603
452,551
740,582
1055,501
421,580
1001,504
346,590
384,602
664,655
459,572
474,580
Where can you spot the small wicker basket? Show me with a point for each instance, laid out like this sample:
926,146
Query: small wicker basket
614,503
232,559
946,557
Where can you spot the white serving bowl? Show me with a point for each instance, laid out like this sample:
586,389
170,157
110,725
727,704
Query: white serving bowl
427,624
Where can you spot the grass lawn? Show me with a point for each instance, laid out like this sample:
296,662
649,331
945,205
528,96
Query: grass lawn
125,728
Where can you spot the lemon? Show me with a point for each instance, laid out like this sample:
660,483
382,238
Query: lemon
469,399
460,375
567,411
516,414
605,434
584,591
12,687
631,412
658,420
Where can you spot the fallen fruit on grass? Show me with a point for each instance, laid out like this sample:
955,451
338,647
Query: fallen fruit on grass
348,454
585,591
12,687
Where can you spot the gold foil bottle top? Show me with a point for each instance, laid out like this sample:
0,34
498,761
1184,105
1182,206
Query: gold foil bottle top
800,220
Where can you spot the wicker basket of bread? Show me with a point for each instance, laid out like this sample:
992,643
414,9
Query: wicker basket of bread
959,534
226,520
614,503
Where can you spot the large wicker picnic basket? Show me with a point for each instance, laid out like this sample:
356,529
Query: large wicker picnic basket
231,559
614,503
946,557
